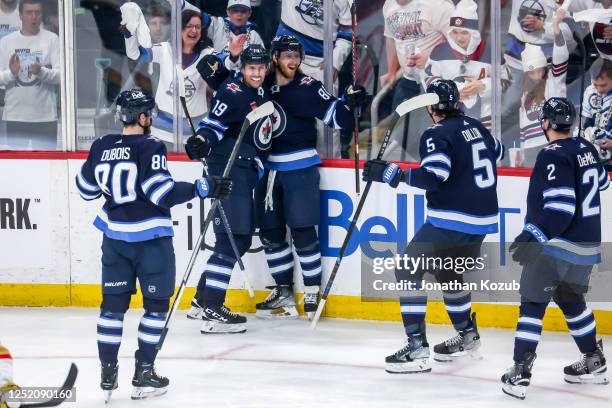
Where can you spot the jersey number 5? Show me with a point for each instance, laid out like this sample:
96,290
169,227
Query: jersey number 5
122,177
487,179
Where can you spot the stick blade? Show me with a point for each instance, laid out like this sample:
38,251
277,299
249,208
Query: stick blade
262,111
317,316
419,101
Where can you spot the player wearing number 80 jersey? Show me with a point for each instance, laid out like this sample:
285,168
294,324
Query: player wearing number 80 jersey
130,171
458,156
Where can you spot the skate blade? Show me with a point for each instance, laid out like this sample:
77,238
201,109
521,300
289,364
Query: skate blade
413,367
515,391
210,327
310,315
595,378
462,355
139,393
278,313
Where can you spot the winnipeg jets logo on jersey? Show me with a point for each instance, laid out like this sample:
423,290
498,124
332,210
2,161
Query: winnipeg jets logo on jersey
595,101
307,80
533,109
532,8
190,88
279,120
311,11
553,146
234,87
263,134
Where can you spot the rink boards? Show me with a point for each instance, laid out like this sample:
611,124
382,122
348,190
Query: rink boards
50,251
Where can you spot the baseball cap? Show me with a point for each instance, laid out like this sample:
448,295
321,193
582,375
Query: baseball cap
239,4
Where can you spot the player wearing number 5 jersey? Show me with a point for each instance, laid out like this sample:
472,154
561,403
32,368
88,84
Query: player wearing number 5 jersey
558,247
458,156
130,171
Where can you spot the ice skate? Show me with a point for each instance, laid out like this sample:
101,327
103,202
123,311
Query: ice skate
280,304
222,320
590,369
412,358
108,381
147,383
197,310
518,377
311,300
465,343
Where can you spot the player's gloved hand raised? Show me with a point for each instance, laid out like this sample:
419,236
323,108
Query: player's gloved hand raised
198,146
355,96
214,187
525,248
208,66
382,172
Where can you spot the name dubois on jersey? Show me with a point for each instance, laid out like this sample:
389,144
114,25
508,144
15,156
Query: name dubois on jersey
118,153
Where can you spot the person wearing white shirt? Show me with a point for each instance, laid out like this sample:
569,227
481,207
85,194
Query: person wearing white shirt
30,70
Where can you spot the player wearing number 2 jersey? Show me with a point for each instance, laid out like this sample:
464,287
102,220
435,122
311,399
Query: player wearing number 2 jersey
130,171
458,157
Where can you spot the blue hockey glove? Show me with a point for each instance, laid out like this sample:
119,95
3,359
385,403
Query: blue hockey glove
381,171
214,187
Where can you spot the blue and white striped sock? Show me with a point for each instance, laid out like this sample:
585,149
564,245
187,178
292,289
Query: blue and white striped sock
218,273
280,262
528,328
459,307
581,324
110,330
413,308
149,333
310,261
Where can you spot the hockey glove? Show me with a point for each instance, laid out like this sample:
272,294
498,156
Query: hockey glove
214,187
355,96
198,146
208,66
382,172
525,248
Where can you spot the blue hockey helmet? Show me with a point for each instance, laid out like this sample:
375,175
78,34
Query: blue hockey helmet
560,112
133,102
447,92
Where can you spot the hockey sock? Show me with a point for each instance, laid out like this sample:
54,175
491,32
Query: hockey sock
528,328
413,307
110,330
149,333
310,261
280,262
218,272
459,306
581,324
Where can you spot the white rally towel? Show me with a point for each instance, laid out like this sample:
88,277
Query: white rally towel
593,15
134,21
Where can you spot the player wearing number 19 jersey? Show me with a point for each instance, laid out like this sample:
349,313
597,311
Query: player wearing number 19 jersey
130,171
458,156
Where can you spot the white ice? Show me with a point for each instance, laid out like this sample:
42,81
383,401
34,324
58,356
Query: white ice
285,364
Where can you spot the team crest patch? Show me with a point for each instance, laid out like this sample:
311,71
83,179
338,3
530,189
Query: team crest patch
263,134
307,80
553,147
595,101
279,120
234,87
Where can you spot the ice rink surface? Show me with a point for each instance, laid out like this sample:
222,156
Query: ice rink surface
285,364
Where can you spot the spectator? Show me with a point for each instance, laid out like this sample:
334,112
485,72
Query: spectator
158,20
266,15
223,30
413,28
601,29
30,70
540,84
9,17
466,59
194,48
597,108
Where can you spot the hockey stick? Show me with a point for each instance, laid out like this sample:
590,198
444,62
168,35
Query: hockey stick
258,113
226,225
357,111
65,390
402,109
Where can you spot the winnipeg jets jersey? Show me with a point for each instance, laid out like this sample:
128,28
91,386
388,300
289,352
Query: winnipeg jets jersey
416,27
597,109
221,30
563,203
229,108
303,19
131,173
458,157
298,104
532,134
446,63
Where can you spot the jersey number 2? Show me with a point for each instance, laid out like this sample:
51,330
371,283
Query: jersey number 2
590,177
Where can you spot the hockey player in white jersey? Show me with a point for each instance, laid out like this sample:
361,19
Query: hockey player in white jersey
540,84
194,49
597,109
465,59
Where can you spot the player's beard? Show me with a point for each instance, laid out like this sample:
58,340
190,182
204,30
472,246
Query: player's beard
284,73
